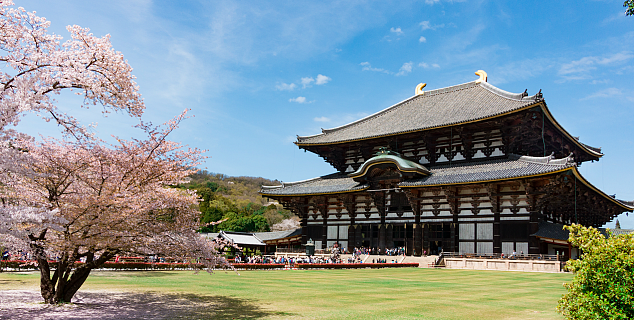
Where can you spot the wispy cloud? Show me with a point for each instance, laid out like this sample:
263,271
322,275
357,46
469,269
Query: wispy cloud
427,65
580,69
426,25
321,79
398,30
605,93
299,100
367,67
405,69
285,87
422,39
322,119
307,81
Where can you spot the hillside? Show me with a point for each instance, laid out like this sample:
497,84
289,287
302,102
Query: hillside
237,201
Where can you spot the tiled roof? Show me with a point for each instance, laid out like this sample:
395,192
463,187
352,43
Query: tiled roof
512,167
332,183
616,232
242,238
554,231
274,235
452,105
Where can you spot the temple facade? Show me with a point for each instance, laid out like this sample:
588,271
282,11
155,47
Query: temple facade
469,168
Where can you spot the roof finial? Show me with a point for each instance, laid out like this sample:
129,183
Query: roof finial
483,76
419,88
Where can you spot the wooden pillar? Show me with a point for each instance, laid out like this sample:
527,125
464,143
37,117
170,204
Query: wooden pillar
352,232
533,225
414,201
452,200
382,234
304,224
324,231
379,202
351,206
493,192
322,205
418,232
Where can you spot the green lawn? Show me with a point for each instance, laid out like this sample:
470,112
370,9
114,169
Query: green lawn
407,293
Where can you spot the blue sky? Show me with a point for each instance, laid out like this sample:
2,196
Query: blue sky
258,73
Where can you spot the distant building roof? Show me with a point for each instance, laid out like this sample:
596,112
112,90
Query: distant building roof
619,231
275,235
254,239
241,238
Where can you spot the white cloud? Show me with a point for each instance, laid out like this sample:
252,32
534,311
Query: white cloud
307,81
580,69
405,69
367,67
396,30
298,100
426,25
321,79
605,93
285,87
322,119
422,39
431,2
427,65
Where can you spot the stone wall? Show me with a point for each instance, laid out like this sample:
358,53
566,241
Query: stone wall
503,264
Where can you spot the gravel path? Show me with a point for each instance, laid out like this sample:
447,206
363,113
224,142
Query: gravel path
25,304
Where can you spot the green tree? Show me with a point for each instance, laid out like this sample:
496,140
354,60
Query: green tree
603,285
629,5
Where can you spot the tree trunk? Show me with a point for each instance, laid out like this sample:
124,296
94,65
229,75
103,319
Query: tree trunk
67,278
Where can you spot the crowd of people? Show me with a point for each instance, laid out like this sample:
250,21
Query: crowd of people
398,251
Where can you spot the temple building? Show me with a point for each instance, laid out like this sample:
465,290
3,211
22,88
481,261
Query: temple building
469,168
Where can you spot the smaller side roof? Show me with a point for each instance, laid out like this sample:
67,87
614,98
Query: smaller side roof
241,238
332,183
275,235
554,231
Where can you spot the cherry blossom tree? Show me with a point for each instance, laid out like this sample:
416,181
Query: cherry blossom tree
36,65
94,201
80,197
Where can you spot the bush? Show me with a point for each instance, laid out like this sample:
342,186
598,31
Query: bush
603,285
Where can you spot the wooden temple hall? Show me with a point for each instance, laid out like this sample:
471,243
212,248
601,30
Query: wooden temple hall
468,168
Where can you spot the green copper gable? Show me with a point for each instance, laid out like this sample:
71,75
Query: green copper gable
387,157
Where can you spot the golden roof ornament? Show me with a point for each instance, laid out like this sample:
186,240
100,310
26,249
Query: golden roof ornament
483,76
419,88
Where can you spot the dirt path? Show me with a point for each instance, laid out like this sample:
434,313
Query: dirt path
27,304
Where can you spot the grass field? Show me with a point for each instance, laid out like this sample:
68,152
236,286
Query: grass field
408,293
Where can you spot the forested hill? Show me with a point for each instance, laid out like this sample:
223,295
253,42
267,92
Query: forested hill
239,189
237,201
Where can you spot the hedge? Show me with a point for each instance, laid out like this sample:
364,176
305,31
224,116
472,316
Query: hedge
354,265
28,265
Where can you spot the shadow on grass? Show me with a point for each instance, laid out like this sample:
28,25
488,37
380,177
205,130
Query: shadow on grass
150,305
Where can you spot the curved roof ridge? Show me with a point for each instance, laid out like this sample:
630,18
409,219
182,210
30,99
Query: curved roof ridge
510,95
426,93
549,160
290,183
